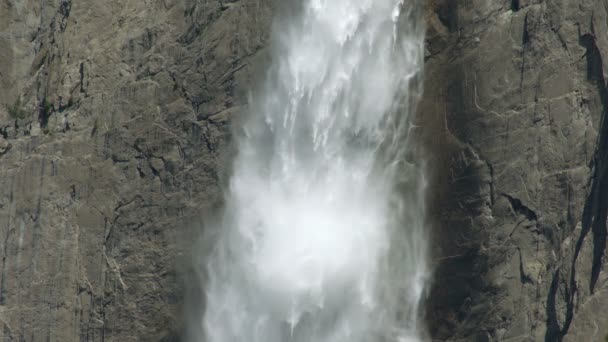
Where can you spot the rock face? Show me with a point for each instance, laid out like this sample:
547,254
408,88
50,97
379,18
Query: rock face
114,115
516,104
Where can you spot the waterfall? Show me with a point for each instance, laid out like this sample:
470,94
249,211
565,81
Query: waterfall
323,235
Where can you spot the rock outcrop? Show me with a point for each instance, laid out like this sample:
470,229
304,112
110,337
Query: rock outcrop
516,106
112,118
114,122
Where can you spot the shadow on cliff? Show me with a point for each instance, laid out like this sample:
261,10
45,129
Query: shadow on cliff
457,195
460,190
595,211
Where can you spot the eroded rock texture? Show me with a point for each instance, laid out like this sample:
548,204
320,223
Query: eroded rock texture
516,101
112,116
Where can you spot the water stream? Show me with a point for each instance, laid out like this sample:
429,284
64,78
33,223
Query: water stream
323,237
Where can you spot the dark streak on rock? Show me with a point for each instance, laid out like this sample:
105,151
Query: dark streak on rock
523,277
515,5
595,211
596,207
520,208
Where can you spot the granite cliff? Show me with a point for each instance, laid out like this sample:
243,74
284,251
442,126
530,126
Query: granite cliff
114,141
112,118
516,93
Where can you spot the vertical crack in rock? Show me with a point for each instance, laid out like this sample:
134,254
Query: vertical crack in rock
553,328
523,276
81,74
64,9
44,112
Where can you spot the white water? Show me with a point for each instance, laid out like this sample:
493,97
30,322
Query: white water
323,237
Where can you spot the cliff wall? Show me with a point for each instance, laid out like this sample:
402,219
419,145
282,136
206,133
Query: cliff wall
114,126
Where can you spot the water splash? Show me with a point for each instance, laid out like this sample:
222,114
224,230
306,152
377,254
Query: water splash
323,235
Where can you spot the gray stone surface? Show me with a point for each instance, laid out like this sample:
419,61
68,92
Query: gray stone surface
112,119
515,109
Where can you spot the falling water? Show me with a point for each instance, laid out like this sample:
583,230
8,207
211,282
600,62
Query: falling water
323,239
